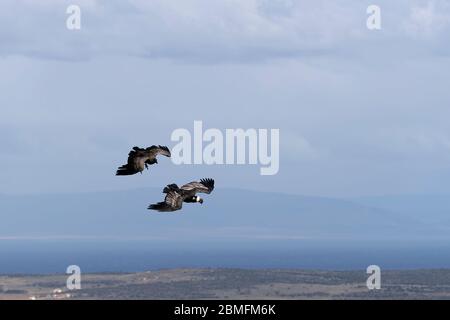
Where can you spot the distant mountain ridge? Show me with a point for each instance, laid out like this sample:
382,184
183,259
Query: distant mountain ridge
226,213
433,209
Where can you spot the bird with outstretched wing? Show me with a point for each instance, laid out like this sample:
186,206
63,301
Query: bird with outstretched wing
175,196
140,158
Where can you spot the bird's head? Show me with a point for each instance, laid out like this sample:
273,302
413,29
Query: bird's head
198,199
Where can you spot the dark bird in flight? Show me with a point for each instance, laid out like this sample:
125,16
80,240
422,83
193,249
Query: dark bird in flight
175,196
139,159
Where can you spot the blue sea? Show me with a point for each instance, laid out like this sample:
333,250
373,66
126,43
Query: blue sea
50,256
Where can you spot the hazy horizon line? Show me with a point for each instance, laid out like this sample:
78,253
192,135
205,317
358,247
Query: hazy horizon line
62,193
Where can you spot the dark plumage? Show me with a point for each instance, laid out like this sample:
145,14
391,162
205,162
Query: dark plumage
139,159
175,196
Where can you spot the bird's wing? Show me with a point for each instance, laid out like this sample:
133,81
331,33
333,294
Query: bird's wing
153,151
174,199
137,158
170,187
135,154
204,186
172,202
135,162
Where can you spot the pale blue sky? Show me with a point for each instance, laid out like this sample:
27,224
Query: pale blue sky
360,112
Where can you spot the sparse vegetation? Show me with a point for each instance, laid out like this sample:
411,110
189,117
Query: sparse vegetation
234,284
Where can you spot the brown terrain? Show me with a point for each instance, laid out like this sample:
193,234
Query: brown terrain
231,284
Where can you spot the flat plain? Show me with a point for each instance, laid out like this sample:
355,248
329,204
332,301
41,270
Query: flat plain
231,284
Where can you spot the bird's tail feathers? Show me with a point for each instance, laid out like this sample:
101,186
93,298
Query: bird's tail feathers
124,171
161,207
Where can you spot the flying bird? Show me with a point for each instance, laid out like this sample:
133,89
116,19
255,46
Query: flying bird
175,196
139,159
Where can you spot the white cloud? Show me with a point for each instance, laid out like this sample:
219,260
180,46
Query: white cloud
341,84
420,142
297,147
202,30
428,20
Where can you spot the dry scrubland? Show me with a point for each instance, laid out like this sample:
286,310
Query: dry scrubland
232,284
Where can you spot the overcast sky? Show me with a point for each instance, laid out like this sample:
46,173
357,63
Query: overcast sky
360,112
